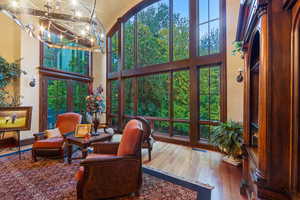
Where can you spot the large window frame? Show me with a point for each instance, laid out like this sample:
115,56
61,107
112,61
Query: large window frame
192,64
47,73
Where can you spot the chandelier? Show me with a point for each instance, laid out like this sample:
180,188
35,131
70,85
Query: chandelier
70,24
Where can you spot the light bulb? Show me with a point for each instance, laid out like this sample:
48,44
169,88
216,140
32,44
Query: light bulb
102,35
78,14
42,28
87,27
61,37
49,35
74,2
14,4
83,32
92,40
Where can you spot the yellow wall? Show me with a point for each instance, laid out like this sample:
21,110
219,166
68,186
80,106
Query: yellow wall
234,89
10,45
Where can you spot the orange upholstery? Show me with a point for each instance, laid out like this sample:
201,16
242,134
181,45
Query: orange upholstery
79,174
49,143
96,155
132,136
67,122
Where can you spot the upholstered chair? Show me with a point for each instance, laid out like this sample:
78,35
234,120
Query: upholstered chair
114,169
45,146
147,139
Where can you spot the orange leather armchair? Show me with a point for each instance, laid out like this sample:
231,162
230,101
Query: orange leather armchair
43,146
114,169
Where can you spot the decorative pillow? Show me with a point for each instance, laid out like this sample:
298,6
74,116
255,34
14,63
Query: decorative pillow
53,133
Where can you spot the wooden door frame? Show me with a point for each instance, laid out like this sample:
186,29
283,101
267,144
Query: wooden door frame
295,109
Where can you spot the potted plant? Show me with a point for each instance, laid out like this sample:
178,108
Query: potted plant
228,136
8,73
95,105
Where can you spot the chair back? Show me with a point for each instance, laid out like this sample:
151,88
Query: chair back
67,122
146,127
131,141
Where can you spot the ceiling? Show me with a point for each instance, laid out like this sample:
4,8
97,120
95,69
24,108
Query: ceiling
108,11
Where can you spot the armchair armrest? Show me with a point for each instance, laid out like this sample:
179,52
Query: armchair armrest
39,136
112,159
106,147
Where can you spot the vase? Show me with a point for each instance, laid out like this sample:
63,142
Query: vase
96,123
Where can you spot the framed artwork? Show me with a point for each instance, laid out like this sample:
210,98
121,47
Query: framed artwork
15,118
82,130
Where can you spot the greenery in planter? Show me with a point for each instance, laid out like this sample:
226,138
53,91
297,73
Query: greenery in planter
8,73
228,136
238,49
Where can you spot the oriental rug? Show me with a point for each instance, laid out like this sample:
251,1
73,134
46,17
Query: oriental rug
54,180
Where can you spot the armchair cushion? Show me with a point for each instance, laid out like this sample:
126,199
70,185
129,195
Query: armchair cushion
52,133
49,143
67,122
132,135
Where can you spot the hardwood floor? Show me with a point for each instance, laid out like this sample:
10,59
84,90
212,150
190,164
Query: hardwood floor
203,166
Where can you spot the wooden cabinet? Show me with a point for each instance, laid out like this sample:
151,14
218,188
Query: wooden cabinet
271,97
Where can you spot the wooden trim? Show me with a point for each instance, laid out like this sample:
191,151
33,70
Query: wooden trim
295,108
61,74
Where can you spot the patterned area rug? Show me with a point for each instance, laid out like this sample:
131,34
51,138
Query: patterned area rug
54,180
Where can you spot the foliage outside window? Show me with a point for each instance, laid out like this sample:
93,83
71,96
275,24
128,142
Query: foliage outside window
153,34
153,95
115,52
65,96
181,29
209,27
160,34
115,96
57,100
75,61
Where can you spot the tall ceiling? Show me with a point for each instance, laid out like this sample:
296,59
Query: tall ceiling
108,11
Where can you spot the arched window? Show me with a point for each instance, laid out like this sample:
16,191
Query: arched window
166,61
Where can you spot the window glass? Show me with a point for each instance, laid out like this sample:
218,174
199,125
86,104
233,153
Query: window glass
181,103
57,100
115,96
181,29
115,53
67,60
209,90
129,44
153,34
209,27
204,132
162,127
153,95
129,97
80,92
181,129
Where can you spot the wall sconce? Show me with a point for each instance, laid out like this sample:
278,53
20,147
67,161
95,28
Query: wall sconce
32,83
240,77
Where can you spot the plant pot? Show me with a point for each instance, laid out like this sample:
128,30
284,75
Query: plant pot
231,160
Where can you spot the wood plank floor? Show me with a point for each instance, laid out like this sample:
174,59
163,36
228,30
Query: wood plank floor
203,166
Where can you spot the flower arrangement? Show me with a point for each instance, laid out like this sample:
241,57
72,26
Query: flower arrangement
95,103
95,106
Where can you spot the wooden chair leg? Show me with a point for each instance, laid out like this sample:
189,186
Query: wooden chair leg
149,153
33,155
